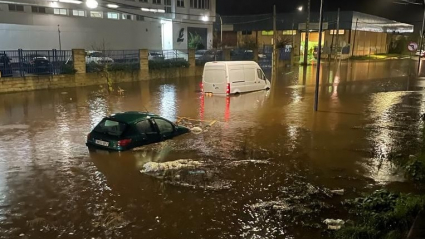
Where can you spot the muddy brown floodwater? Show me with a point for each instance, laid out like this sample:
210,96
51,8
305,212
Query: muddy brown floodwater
271,159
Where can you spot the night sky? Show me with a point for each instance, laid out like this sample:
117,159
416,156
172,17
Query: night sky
385,8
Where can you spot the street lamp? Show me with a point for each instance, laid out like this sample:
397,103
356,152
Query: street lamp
92,4
300,8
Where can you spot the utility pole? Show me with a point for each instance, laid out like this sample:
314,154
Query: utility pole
421,40
221,32
354,40
319,56
274,63
60,42
337,32
307,30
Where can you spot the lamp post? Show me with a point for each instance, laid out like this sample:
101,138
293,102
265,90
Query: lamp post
306,34
221,31
421,34
319,56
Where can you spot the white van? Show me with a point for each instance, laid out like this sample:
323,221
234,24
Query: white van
232,77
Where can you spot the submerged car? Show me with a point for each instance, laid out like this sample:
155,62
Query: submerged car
128,130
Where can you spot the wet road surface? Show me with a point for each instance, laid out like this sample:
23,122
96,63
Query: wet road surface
51,186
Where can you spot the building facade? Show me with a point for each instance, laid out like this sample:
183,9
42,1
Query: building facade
361,34
106,24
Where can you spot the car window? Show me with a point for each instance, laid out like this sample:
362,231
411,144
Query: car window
96,54
164,126
110,127
260,74
145,127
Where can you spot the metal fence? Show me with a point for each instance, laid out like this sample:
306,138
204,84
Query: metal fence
116,60
17,63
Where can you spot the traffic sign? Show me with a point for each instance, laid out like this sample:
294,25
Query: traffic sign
413,46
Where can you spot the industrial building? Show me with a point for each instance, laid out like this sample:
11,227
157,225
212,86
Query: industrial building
107,24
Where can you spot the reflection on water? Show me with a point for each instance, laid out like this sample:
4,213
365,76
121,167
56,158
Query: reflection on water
51,186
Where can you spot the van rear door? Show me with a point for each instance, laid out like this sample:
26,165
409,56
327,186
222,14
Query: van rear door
214,79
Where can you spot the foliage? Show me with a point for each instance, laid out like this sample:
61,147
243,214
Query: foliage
68,69
127,67
415,168
398,45
157,65
195,41
283,42
382,215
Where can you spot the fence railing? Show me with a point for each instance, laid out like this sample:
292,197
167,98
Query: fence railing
32,62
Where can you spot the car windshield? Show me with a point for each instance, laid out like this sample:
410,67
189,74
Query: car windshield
96,54
110,127
155,53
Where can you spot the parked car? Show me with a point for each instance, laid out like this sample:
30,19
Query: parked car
421,53
175,55
210,55
199,53
5,65
232,77
241,55
128,130
97,57
155,56
37,64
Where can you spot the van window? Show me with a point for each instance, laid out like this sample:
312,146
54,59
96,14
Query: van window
249,74
215,76
260,74
236,75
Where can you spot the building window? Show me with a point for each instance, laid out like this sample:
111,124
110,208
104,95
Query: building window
180,3
289,32
167,2
246,32
127,16
113,15
200,4
16,8
140,18
38,9
145,1
156,1
79,13
96,14
267,33
340,32
60,11
168,10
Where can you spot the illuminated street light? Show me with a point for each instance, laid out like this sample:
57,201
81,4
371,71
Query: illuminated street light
92,4
300,8
204,18
112,5
71,1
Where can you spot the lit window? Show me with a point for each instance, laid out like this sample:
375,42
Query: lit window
200,4
127,16
113,15
60,11
79,13
340,32
38,9
267,33
16,8
289,32
180,3
156,1
96,14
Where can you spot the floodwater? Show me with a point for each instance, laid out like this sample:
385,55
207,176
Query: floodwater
51,186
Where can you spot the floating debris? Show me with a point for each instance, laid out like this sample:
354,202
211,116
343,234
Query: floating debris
153,167
338,192
196,130
334,224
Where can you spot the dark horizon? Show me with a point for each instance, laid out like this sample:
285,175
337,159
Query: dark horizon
411,14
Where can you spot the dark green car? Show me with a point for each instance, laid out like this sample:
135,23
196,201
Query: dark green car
127,130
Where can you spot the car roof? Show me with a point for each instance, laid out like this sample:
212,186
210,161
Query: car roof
131,117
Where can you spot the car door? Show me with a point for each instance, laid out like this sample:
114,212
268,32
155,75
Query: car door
147,133
165,128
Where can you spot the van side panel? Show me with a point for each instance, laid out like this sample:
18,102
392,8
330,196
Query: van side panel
250,78
236,78
214,78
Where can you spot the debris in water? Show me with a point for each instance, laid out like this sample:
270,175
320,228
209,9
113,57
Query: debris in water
334,224
196,130
153,167
276,205
338,192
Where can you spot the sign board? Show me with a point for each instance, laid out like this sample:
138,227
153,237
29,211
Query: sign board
285,53
313,26
227,28
413,46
